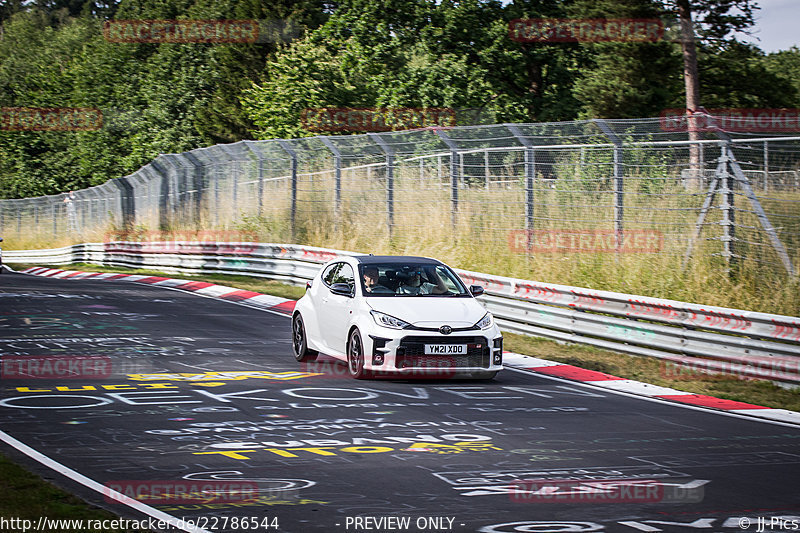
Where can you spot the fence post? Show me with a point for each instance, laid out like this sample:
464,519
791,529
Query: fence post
530,178
727,206
233,162
389,151
454,178
756,205
163,195
766,166
127,203
198,183
293,213
486,170
337,172
701,218
260,173
619,187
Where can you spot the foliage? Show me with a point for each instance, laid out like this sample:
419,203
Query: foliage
161,98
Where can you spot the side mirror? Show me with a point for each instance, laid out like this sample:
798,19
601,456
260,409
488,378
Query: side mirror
476,290
342,289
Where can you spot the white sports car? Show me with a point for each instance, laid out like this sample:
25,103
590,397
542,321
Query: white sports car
396,315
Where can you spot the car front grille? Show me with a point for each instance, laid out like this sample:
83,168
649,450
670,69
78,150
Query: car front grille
411,353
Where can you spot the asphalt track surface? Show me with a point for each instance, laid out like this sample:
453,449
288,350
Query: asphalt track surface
196,408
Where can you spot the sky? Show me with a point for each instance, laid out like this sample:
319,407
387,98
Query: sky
776,25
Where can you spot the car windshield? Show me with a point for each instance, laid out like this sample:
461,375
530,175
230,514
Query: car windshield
410,279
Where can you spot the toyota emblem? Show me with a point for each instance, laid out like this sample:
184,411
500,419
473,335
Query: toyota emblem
445,330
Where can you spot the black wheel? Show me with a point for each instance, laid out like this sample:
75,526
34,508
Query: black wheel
355,356
299,342
487,375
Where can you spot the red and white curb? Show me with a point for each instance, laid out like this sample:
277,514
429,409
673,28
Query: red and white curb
250,298
618,384
510,359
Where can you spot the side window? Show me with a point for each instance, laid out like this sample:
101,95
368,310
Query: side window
345,275
329,276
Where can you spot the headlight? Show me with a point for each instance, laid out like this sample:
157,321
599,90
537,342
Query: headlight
388,321
485,322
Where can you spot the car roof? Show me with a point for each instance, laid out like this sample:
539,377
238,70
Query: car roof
410,259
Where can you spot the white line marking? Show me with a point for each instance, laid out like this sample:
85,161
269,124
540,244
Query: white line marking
94,485
750,417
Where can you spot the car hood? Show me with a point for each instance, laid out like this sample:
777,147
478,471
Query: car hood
431,311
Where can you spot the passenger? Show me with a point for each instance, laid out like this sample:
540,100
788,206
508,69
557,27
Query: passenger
415,286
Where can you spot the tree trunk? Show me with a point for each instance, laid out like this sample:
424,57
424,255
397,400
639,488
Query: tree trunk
692,82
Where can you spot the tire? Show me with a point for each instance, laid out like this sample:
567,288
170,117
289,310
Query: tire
355,356
486,375
300,342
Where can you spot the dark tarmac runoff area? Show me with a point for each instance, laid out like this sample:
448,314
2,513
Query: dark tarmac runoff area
155,403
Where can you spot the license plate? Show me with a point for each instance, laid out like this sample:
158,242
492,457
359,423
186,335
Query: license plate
445,349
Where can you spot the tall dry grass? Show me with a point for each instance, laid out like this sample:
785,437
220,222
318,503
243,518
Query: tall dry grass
477,237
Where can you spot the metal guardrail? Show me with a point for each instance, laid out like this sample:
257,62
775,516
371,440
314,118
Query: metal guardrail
703,338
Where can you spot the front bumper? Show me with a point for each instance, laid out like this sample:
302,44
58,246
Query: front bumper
404,353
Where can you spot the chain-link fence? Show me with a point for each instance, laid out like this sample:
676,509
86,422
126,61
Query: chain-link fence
613,188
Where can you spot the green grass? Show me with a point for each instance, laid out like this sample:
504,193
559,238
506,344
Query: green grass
655,372
27,496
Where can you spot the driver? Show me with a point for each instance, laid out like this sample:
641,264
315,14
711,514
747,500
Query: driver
371,280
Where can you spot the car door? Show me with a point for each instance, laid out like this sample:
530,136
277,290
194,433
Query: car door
318,295
338,310
335,309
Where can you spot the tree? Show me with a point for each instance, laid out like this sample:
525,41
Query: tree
786,64
624,79
421,53
715,21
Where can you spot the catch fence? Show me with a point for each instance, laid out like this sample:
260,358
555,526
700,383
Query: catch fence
591,187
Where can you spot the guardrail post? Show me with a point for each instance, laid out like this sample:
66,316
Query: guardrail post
389,151
619,186
454,175
293,213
